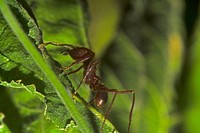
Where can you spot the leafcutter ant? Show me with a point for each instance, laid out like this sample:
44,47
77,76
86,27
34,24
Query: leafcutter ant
89,64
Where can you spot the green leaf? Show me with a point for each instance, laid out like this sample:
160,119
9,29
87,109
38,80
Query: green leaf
3,127
63,21
63,31
28,115
26,109
190,105
17,60
30,88
69,27
139,59
106,15
34,53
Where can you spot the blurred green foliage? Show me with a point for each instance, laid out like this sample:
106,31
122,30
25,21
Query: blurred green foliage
147,45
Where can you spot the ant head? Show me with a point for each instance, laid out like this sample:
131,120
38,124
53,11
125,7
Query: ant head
101,99
81,54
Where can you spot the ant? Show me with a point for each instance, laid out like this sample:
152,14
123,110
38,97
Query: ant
89,64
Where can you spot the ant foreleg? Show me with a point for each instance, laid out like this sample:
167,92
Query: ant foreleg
75,70
70,66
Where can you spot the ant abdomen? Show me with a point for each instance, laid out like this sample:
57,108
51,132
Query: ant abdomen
101,99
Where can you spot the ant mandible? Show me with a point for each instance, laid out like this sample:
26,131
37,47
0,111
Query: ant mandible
89,64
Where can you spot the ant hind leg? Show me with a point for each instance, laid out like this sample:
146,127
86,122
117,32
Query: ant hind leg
112,101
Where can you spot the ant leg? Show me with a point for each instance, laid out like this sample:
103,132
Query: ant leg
83,79
75,70
58,44
133,101
107,111
70,66
115,93
43,45
76,62
91,101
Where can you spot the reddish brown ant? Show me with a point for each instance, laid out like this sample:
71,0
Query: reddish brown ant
86,57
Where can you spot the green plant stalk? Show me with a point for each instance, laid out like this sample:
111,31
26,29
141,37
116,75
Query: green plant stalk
60,89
